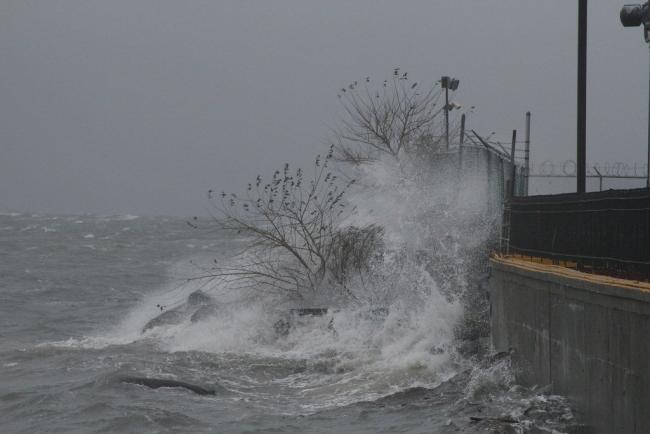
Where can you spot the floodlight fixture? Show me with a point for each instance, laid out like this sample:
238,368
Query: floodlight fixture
634,16
448,83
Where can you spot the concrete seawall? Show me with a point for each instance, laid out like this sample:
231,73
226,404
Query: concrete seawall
586,336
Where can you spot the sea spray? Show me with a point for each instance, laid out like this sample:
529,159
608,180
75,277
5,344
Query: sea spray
401,329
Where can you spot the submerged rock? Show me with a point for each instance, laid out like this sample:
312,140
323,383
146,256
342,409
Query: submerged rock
284,325
310,311
288,320
156,383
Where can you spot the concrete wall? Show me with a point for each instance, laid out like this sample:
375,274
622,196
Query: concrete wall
588,339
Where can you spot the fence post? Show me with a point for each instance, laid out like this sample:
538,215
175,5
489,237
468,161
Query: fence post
600,176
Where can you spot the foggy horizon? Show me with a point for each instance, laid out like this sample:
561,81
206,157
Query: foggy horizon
141,107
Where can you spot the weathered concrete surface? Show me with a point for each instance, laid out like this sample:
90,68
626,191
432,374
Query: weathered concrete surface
588,338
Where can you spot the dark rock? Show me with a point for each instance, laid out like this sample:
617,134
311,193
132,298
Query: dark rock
199,305
175,316
199,298
286,322
318,311
282,327
156,383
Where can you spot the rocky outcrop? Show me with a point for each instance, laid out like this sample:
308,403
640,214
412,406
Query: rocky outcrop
170,317
198,306
199,298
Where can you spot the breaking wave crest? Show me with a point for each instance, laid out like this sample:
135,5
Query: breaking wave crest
402,335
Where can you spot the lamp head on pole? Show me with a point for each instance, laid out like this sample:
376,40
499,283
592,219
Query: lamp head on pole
633,15
449,83
636,15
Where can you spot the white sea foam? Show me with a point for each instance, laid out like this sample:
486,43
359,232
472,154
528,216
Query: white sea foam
120,217
126,217
367,352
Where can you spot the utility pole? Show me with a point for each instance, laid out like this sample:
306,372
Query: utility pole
447,117
527,154
513,175
448,83
461,142
582,97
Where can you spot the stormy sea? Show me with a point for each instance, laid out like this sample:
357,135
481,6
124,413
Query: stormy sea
105,328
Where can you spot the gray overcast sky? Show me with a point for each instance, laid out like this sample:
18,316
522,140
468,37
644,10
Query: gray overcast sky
140,106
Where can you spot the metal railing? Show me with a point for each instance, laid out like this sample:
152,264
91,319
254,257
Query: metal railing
603,232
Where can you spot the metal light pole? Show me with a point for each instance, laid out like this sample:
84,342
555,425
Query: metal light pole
527,154
513,164
445,85
461,142
634,16
582,98
448,83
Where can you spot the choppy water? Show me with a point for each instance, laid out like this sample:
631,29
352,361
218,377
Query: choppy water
76,292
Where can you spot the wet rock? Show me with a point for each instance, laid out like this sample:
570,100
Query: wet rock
170,317
318,311
204,312
199,305
156,383
282,327
199,298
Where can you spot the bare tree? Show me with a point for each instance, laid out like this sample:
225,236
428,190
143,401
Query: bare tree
295,229
395,116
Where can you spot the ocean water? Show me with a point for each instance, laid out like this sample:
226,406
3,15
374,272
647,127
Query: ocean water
77,291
